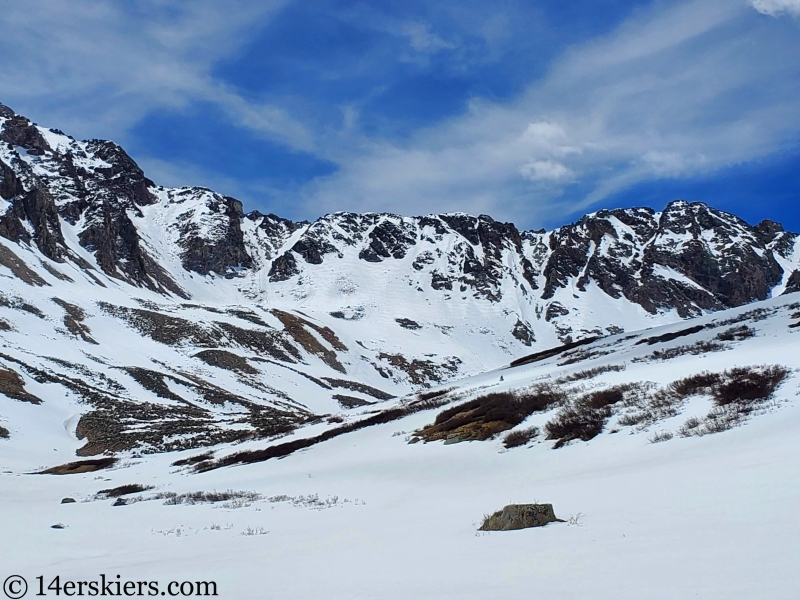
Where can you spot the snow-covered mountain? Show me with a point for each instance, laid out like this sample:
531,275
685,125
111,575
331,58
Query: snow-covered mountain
634,368
169,317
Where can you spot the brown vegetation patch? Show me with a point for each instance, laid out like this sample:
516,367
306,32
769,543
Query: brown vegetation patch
520,437
227,360
736,334
73,320
748,385
350,401
544,354
667,337
13,386
124,490
18,267
81,466
193,460
287,448
17,303
296,327
486,416
248,315
589,373
359,387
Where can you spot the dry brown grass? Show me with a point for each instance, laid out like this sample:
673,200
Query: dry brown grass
81,466
13,386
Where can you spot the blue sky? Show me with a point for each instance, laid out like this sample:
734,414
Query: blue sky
535,112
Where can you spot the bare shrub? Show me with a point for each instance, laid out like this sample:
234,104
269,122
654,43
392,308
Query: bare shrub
736,334
589,373
689,427
520,437
434,394
577,420
255,531
701,347
660,436
749,385
170,498
695,384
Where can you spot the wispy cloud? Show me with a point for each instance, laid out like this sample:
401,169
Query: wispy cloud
774,8
97,67
675,91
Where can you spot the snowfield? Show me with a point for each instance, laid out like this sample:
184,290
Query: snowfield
368,515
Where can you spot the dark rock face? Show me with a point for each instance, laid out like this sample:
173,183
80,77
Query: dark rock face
688,258
35,207
222,252
387,240
519,516
284,267
719,261
18,131
793,283
523,332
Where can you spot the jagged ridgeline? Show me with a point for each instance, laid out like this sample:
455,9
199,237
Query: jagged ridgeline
170,317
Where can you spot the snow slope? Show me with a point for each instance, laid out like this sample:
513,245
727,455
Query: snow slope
368,515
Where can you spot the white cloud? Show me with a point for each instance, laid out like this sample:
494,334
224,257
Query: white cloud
97,67
544,170
677,90
774,8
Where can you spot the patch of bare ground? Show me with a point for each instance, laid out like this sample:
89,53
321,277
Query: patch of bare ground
350,401
357,386
551,352
419,372
227,360
668,337
116,423
124,490
486,416
287,448
73,321
17,303
193,460
18,267
296,327
175,331
13,386
248,315
81,466
56,273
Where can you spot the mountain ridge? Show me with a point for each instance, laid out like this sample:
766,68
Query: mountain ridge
148,306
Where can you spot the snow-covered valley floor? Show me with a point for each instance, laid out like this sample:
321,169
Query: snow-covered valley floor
367,515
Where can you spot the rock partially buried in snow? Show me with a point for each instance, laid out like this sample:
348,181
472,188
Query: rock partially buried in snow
520,516
67,500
